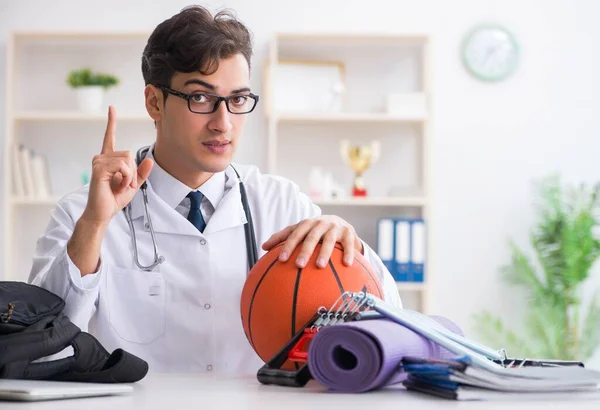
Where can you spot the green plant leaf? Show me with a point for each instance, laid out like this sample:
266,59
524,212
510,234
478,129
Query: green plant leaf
590,333
566,246
521,273
85,77
545,324
493,333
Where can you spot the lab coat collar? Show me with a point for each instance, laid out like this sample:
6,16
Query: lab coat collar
230,212
173,191
165,219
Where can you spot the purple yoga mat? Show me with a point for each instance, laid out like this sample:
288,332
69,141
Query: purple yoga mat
364,355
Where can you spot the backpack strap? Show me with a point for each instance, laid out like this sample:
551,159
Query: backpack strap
90,362
44,338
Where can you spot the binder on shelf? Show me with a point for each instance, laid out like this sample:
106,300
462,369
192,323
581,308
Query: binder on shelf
385,242
402,245
417,251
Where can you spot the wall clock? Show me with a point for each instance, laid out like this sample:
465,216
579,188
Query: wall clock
490,53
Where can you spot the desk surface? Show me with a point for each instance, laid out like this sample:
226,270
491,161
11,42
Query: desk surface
174,392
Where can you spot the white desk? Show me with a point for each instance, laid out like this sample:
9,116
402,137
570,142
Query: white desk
207,392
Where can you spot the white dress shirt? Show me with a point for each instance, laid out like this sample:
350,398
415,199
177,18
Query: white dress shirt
174,192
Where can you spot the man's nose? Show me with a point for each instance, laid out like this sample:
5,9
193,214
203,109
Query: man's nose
221,121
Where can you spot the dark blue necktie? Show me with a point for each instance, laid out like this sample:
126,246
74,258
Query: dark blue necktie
195,216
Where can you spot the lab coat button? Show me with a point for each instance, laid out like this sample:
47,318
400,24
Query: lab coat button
207,306
202,241
209,367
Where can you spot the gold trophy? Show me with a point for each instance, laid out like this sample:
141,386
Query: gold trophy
360,158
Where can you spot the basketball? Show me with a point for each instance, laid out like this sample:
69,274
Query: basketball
278,298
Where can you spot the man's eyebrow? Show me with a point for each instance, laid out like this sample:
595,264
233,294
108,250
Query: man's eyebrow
212,87
200,82
241,90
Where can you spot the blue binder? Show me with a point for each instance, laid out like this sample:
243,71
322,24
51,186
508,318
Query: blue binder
401,245
402,248
417,250
385,243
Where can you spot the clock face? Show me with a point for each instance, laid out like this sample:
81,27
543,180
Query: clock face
490,53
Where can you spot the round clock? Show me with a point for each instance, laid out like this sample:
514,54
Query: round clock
490,53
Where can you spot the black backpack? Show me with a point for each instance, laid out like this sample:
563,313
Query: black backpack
33,326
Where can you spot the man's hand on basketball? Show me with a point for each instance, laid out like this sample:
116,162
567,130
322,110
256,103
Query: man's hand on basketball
328,230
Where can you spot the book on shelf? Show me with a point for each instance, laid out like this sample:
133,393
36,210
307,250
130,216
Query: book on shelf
30,173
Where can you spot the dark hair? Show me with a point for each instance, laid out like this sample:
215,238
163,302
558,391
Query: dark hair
193,40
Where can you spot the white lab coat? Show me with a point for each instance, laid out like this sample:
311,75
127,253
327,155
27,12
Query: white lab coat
184,316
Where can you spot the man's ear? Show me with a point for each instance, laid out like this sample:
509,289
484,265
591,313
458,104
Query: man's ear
154,102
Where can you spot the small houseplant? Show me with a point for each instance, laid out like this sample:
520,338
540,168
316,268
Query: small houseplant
560,323
90,87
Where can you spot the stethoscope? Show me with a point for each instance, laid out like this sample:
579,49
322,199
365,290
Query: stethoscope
251,248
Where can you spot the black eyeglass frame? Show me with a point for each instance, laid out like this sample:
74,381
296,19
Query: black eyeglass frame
219,99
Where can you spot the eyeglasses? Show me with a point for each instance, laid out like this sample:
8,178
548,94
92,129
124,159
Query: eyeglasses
203,103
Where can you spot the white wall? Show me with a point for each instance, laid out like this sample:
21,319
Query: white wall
489,141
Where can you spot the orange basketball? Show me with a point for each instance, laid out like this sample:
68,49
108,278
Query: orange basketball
278,298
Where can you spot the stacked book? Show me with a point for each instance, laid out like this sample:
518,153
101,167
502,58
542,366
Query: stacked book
30,174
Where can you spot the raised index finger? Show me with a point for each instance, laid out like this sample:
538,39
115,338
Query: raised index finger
108,145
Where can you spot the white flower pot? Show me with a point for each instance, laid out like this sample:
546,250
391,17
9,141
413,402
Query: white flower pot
90,98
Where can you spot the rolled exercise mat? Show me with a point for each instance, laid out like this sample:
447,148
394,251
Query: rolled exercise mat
364,355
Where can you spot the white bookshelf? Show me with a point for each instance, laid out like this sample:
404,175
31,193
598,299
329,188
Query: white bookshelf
42,115
298,141
50,123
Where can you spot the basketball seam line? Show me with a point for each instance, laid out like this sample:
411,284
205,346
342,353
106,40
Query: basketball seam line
294,302
336,276
368,271
371,276
252,302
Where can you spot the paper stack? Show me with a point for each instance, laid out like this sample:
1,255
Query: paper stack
458,379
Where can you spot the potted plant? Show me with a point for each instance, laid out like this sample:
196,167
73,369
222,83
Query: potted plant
562,321
90,87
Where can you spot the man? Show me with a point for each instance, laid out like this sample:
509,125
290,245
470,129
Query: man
184,314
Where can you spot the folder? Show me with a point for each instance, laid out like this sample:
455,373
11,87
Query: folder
385,242
417,251
402,245
460,379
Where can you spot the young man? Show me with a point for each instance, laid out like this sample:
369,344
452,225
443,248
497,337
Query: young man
183,314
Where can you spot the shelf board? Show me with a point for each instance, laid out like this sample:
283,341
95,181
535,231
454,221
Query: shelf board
352,38
52,200
373,201
400,201
76,116
411,286
347,117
